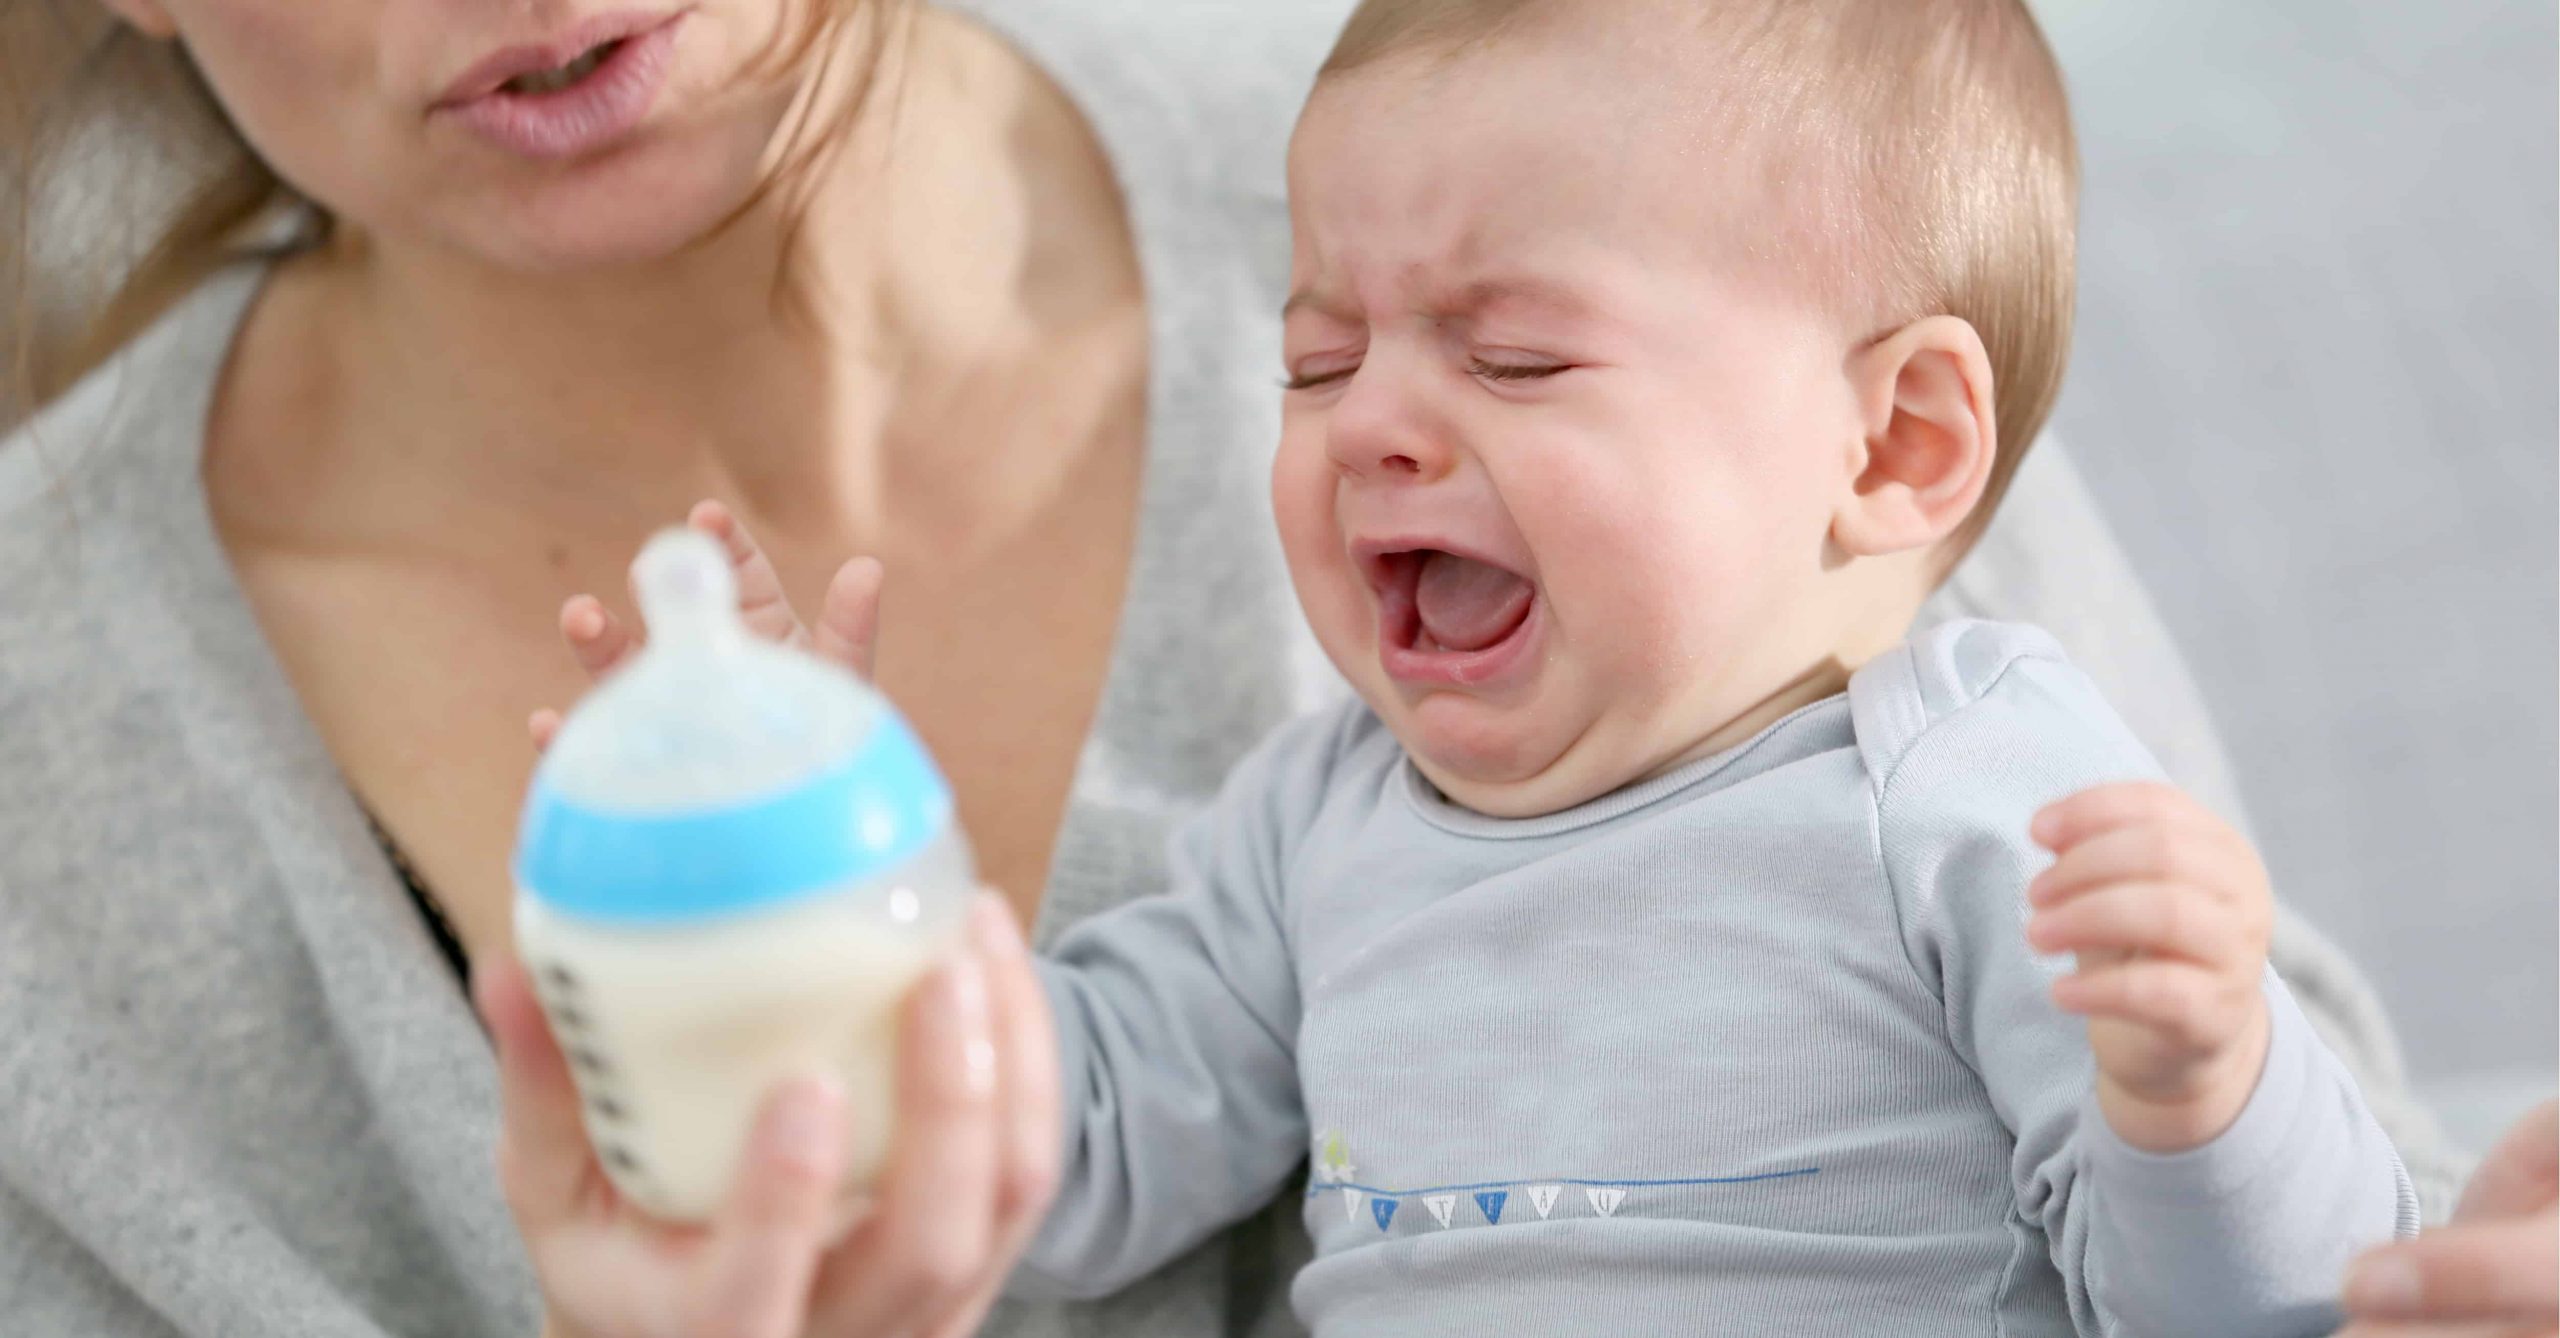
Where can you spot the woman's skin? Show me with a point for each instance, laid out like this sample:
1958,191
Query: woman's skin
2494,1271
419,450
502,373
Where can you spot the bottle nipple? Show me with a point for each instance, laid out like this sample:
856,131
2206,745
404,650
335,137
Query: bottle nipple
687,593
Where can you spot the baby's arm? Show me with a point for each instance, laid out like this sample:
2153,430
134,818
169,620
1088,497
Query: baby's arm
1178,1027
2199,1161
2200,1052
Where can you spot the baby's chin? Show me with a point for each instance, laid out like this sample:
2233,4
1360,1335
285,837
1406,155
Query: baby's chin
1509,763
1499,767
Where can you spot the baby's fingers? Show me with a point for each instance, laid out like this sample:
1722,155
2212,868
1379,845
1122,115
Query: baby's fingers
598,639
2068,822
2204,854
2194,1007
2160,919
848,630
761,600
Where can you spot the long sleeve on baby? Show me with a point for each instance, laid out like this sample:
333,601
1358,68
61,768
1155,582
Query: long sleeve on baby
2249,1234
1177,1019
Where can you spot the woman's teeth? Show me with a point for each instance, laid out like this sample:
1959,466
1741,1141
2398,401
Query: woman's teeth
552,81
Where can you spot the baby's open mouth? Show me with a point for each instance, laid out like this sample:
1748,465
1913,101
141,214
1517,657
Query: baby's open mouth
1445,614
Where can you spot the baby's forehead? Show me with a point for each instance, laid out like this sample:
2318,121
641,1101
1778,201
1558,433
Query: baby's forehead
1681,60
1557,128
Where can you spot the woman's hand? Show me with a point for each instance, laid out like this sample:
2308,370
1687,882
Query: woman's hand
976,1149
971,1168
2494,1272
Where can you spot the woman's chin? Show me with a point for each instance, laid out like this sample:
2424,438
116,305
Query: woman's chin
636,207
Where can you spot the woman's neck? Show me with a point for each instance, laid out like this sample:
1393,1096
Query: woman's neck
774,365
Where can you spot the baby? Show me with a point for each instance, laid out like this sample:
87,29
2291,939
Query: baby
1660,946
1664,944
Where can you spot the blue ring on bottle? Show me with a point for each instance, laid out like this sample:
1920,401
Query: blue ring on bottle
869,814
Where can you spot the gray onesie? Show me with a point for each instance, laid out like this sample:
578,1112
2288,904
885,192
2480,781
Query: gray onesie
1754,1047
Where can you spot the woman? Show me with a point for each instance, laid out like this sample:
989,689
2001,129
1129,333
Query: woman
988,296
2494,1271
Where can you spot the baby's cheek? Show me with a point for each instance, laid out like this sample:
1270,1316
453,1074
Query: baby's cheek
1320,569
1674,582
1302,507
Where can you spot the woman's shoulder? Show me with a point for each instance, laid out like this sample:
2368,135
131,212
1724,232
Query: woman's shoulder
142,409
99,492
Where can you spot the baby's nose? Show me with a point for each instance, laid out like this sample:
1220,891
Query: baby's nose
1380,436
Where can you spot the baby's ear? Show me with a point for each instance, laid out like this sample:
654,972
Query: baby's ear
1924,405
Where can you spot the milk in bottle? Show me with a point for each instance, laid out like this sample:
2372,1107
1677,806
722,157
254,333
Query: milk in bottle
734,861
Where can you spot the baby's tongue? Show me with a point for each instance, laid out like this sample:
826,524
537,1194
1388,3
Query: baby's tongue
1466,604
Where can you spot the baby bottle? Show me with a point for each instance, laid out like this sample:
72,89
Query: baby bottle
734,861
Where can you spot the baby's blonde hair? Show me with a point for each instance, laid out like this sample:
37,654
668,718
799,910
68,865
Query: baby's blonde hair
1925,147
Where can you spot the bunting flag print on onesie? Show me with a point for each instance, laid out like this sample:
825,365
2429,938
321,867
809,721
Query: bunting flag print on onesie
1333,1172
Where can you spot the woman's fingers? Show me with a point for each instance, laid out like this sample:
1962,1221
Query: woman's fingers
2496,1271
1027,1094
848,630
1027,1073
761,600
998,1161
2428,1328
544,1161
2521,1174
768,1239
918,1257
599,640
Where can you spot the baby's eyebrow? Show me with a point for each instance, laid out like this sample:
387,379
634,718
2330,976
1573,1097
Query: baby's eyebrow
1544,295
1521,290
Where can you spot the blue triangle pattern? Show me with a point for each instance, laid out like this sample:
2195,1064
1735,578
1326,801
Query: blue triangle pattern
1384,1210
1491,1201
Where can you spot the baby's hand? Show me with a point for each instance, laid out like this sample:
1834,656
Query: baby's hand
847,630
2170,913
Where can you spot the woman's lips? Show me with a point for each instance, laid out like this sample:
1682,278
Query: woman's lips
591,114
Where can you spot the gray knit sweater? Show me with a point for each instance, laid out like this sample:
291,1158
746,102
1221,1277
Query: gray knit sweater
239,1093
